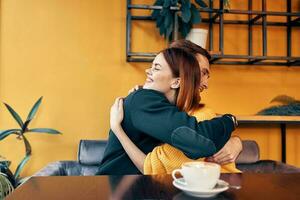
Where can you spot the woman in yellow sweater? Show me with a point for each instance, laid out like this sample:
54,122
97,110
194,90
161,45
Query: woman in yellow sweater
165,158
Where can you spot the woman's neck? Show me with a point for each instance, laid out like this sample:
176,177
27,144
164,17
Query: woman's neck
171,96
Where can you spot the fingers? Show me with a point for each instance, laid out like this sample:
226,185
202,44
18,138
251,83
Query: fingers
118,101
219,153
223,158
120,104
226,160
135,88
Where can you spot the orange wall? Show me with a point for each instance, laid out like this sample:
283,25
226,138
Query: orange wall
73,54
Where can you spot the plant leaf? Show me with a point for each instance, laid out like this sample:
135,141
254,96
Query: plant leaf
162,29
284,99
4,134
44,130
24,128
185,12
168,19
15,115
34,109
21,166
184,28
27,145
201,3
156,13
196,17
169,28
167,3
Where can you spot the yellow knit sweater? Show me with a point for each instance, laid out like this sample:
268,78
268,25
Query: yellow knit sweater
165,158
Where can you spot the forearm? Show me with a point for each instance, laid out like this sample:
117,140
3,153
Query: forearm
134,153
152,114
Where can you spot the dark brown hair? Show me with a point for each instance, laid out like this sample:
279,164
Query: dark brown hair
190,47
185,65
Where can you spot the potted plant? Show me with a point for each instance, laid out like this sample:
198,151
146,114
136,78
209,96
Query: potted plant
188,15
20,133
288,106
5,186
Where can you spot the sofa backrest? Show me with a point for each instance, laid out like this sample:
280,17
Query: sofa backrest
249,154
90,152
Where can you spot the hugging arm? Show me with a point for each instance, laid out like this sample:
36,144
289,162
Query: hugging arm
156,117
134,153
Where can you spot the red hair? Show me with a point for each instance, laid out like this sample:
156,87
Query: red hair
185,66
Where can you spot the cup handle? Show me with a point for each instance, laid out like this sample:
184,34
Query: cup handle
174,173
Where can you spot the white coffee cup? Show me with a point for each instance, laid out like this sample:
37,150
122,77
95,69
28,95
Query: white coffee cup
199,175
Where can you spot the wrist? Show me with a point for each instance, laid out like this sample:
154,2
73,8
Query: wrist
234,121
116,128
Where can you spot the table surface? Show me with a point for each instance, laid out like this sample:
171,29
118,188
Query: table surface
254,186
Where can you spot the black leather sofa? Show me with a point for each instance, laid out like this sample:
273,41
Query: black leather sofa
90,153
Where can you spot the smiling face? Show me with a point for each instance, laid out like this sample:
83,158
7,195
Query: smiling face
160,76
205,72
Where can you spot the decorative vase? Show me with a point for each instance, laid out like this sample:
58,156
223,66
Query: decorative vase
198,36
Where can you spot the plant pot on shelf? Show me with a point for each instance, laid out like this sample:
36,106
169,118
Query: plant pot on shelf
198,36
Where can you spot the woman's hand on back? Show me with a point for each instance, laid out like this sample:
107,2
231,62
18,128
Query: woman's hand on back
116,114
135,88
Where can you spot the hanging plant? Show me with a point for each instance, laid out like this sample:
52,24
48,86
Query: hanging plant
188,15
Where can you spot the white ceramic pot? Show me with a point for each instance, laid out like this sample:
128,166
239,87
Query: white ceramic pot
198,36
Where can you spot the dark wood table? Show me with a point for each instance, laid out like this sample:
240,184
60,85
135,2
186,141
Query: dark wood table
254,186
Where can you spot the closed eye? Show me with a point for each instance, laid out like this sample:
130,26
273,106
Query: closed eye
157,66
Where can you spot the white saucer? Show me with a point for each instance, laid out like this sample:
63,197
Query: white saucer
220,187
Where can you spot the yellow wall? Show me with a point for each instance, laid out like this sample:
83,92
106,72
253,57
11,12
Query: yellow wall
73,53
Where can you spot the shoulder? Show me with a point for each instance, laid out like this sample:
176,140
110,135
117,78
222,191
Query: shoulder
147,96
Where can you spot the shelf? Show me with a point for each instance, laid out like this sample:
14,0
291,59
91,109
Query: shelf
243,119
216,16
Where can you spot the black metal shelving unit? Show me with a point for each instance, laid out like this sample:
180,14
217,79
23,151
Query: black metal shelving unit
216,16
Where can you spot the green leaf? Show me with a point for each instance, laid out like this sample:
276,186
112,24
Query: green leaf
184,28
27,145
34,109
21,166
158,3
4,134
170,29
24,128
185,12
44,130
168,20
159,21
284,99
196,18
162,29
201,3
174,2
155,14
14,114
167,3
